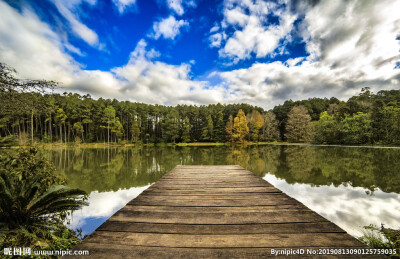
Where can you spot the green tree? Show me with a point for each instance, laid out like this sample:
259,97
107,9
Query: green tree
327,129
219,129
186,130
117,129
357,129
135,131
170,126
296,126
208,130
61,117
78,127
109,118
240,129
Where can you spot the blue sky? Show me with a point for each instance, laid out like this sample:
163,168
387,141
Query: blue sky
204,51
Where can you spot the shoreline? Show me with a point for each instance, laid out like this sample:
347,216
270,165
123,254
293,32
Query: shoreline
190,144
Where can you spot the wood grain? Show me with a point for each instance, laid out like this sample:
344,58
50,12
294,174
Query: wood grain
210,212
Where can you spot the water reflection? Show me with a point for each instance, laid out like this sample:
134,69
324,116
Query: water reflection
330,180
349,207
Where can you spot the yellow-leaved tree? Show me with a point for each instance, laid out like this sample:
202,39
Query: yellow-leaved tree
240,129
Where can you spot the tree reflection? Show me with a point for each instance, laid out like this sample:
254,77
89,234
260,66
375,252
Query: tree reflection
116,168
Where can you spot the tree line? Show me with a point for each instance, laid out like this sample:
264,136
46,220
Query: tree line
30,113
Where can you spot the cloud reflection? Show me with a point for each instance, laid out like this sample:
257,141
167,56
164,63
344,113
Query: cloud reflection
349,207
102,205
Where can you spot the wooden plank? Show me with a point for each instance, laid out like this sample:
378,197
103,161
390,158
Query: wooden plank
279,208
212,202
226,241
216,218
198,229
213,211
123,251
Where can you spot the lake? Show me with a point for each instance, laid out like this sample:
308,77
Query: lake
351,186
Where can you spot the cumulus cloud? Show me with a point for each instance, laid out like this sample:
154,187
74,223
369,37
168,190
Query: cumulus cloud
253,31
168,27
123,5
69,9
142,79
178,5
156,82
346,52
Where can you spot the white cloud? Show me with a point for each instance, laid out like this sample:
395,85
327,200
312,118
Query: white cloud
346,52
342,59
178,5
68,9
251,34
156,82
123,5
169,27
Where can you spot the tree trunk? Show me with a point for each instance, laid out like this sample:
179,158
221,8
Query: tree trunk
32,127
51,135
61,133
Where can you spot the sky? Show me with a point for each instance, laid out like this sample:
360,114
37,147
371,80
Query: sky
204,51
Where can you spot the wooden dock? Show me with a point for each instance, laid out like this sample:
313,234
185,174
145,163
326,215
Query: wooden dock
210,212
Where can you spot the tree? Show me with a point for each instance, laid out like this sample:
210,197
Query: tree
186,130
357,129
78,127
229,128
327,129
61,118
109,117
256,121
117,129
219,131
135,131
240,129
296,126
34,202
270,131
170,126
208,130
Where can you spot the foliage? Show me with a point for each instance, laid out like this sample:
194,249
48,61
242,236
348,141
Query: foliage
186,130
296,126
208,130
33,201
270,130
240,129
382,238
256,122
28,112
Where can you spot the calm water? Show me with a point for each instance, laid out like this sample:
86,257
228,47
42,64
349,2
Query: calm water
351,186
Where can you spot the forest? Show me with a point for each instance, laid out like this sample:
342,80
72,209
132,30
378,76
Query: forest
32,113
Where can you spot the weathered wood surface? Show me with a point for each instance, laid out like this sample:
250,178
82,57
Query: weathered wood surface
209,212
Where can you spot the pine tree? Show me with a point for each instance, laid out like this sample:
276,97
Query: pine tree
208,130
219,132
186,130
